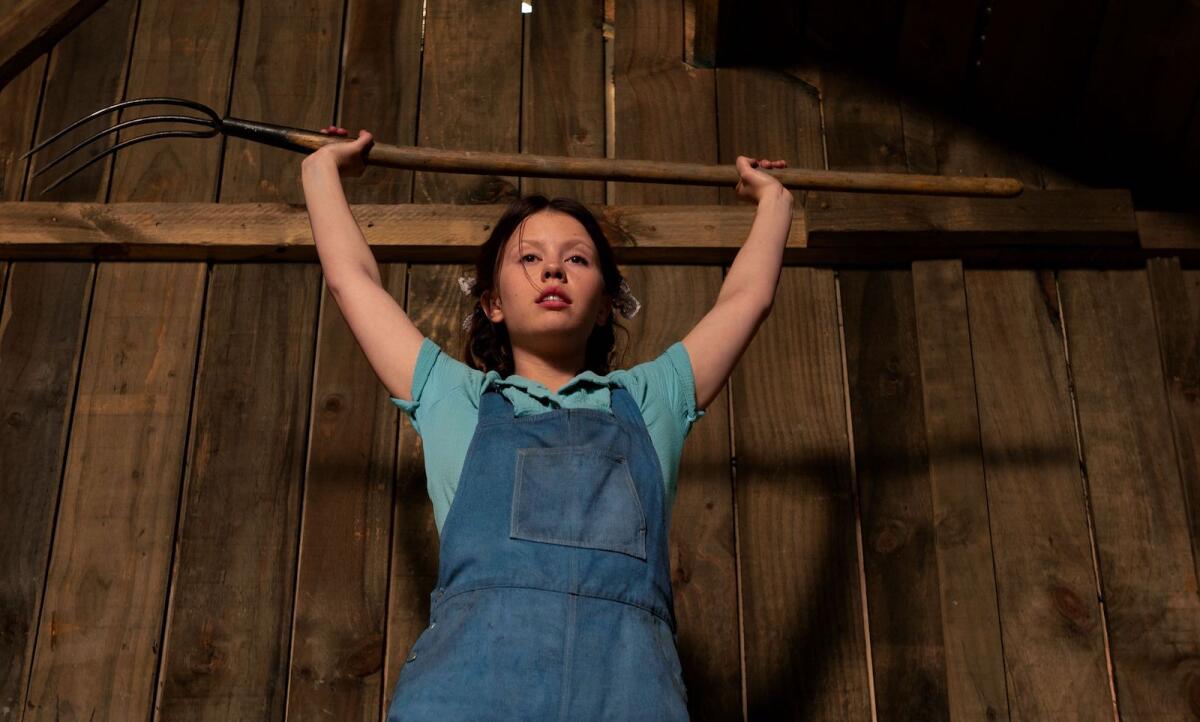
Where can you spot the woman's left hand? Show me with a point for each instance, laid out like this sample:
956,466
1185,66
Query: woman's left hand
753,184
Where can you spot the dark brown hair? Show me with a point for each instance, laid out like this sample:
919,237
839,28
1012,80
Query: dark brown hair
487,345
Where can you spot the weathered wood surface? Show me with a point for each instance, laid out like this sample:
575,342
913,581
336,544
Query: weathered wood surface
228,634
864,132
32,27
99,633
1176,294
843,232
970,616
653,92
340,626
1036,218
1136,493
1054,647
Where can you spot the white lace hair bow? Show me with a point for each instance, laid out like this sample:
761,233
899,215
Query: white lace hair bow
625,303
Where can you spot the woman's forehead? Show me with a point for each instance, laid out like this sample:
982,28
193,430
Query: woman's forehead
553,230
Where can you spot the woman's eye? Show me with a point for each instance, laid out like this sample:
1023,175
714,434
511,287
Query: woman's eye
581,258
528,255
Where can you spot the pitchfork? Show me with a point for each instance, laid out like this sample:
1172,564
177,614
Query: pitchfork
522,164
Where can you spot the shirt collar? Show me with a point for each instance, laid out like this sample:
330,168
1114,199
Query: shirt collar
515,387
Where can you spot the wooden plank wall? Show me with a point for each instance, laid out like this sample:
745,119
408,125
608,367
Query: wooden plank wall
928,492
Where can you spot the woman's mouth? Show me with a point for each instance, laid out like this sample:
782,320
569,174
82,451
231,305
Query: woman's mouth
553,301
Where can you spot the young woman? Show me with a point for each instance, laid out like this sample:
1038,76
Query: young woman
551,476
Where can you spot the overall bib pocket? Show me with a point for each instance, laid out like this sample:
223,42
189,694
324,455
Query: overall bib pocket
580,496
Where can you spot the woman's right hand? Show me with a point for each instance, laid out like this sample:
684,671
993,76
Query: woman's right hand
350,157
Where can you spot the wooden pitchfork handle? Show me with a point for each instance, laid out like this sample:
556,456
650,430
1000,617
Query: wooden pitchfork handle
525,164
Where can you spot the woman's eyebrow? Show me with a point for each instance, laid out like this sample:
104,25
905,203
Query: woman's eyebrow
566,244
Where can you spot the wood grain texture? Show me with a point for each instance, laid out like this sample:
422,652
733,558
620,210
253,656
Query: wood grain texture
887,422
87,71
562,92
42,322
226,648
667,111
169,61
380,84
470,95
894,494
339,629
1147,571
1036,217
101,622
975,681
1054,653
30,28
228,631
799,565
971,625
21,99
1176,295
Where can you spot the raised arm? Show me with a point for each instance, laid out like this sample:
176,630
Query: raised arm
383,330
717,341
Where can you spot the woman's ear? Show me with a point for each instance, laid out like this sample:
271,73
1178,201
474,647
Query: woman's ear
491,309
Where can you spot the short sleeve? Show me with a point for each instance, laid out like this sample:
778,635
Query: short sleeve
668,388
435,376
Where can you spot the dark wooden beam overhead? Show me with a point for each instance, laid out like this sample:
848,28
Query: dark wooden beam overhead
34,27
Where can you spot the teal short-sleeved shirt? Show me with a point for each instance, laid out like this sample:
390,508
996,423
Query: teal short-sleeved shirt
445,408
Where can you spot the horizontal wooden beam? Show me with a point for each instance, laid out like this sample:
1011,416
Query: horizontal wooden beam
1070,228
1034,218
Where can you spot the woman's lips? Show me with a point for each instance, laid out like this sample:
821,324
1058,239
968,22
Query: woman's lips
553,303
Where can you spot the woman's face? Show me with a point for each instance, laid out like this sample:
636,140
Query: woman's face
554,249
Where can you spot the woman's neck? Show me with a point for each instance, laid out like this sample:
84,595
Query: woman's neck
551,372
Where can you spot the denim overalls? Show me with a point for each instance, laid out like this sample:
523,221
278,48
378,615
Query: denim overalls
554,593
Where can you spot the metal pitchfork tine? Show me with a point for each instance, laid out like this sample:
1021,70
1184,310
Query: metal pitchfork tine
519,164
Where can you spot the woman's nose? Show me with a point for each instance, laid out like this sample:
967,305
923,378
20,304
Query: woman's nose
554,271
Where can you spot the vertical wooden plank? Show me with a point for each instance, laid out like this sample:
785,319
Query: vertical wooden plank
865,132
102,614
87,71
470,99
1051,622
1176,294
798,554
380,84
101,620
20,98
935,142
470,95
339,626
42,324
229,622
967,584
1146,567
33,449
168,61
562,109
904,606
666,110
764,113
